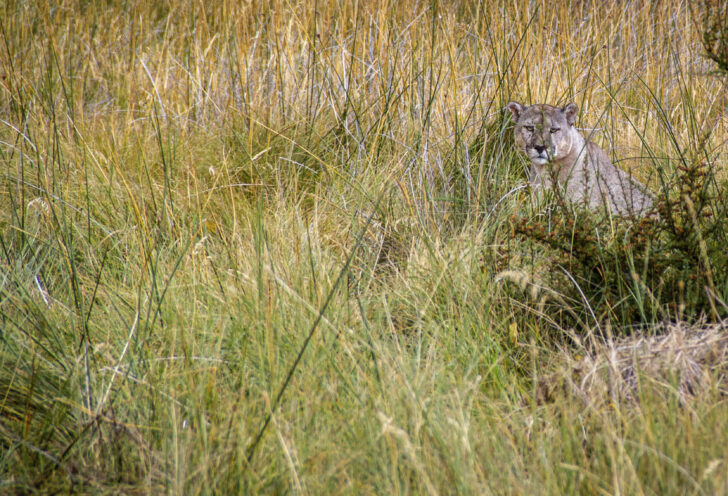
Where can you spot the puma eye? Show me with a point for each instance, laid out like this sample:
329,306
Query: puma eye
555,130
528,128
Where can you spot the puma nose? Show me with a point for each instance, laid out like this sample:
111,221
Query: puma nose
539,148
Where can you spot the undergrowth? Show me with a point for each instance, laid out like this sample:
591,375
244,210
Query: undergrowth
266,248
667,266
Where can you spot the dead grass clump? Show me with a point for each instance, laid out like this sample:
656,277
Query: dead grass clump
685,359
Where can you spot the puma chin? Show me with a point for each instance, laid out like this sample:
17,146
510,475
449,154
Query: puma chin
560,156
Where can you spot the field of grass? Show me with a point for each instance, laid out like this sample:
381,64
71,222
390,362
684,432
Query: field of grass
285,247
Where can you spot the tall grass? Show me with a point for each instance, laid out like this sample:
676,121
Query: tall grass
263,247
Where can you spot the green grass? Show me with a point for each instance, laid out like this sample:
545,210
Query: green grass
271,249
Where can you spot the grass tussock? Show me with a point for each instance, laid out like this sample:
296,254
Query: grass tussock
685,360
276,247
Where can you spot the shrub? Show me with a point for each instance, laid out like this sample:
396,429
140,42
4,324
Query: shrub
671,264
711,20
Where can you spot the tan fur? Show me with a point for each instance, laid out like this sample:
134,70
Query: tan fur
559,153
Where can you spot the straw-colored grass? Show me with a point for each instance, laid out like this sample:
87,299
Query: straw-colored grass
253,247
686,360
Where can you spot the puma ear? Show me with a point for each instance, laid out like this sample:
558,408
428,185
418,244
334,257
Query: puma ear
570,113
516,109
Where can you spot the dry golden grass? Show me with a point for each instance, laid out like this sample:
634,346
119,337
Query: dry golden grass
251,247
684,359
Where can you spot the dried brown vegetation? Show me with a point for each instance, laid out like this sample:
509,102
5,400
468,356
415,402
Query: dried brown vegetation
682,360
254,247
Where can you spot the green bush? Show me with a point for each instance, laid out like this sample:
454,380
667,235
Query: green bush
711,19
671,264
